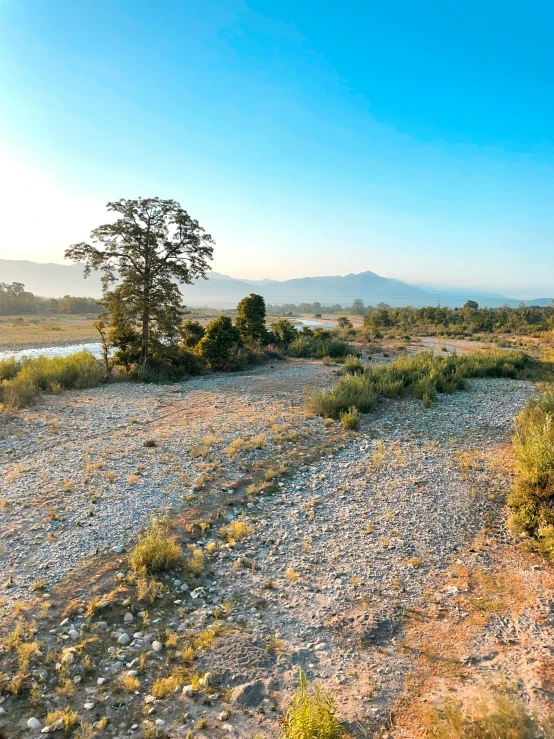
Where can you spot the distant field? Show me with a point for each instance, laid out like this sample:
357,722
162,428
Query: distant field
36,331
18,332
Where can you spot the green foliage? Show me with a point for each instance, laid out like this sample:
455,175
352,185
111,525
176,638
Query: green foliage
505,717
421,375
350,419
344,322
191,333
313,346
152,246
311,716
352,365
251,319
283,332
218,343
15,300
22,379
533,494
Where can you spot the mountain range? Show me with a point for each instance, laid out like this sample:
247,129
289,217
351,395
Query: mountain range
222,291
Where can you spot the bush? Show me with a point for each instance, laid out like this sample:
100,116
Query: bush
311,716
283,332
217,346
352,365
192,332
23,379
533,494
350,419
421,375
155,551
170,364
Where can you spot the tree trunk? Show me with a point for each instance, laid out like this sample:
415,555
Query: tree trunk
145,338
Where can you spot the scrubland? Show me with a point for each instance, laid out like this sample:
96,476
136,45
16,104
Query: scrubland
354,547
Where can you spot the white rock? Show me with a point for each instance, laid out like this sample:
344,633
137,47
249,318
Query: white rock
124,639
188,690
128,617
160,722
68,658
34,723
88,706
157,646
101,680
74,634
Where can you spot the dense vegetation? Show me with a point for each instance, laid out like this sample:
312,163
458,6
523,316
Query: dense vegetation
421,375
15,300
191,350
467,321
464,321
533,494
22,379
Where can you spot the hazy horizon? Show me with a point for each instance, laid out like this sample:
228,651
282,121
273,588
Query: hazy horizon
308,140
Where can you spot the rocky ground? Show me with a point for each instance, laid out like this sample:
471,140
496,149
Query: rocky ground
377,562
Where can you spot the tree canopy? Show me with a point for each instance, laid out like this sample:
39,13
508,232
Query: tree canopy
152,246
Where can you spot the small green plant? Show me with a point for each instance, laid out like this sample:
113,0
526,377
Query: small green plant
311,716
155,551
350,419
149,443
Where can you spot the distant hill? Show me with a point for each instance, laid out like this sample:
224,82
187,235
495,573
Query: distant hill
222,291
50,280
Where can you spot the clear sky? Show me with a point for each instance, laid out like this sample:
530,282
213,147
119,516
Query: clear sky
413,139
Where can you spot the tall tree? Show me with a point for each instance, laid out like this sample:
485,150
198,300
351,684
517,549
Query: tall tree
251,318
151,247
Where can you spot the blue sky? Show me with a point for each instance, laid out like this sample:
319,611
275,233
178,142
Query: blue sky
410,139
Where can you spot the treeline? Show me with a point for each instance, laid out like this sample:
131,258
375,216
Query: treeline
15,300
316,309
190,348
469,320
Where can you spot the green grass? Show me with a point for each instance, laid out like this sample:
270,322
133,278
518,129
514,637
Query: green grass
21,380
421,375
532,496
311,716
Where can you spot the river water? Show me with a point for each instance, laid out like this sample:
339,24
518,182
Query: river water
94,346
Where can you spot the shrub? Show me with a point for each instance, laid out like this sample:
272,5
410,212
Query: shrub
350,419
352,365
533,493
283,332
66,718
236,530
421,375
192,332
311,716
165,686
217,345
22,379
155,551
